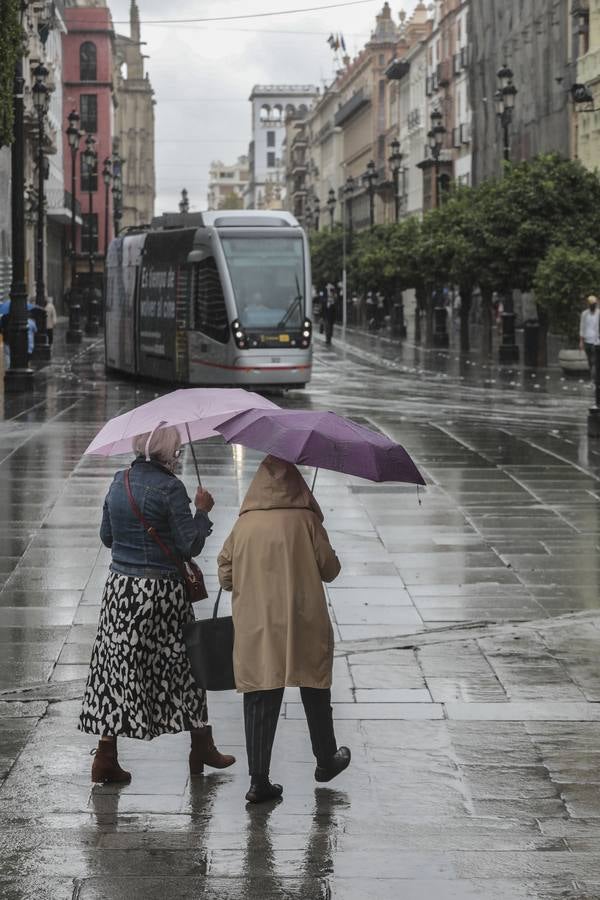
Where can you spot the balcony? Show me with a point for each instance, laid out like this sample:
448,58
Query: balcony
60,205
352,106
413,119
397,69
443,73
465,133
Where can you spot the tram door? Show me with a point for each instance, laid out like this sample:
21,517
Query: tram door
163,304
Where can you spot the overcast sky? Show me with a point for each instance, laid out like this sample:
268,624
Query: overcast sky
202,74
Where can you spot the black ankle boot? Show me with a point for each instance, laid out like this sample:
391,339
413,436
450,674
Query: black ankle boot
339,761
261,789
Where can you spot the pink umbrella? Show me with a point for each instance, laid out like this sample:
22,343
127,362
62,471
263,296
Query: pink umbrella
194,411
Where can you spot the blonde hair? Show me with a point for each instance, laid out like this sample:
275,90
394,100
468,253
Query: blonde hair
161,444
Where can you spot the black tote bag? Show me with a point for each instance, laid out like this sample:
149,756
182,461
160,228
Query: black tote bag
209,645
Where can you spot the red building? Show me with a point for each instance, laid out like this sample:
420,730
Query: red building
88,89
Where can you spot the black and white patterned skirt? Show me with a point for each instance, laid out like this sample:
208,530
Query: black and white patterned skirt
140,683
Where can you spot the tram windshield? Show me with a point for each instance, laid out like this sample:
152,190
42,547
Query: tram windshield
267,275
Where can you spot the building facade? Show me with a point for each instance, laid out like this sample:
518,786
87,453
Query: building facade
585,23
226,182
532,37
408,73
270,106
133,137
88,61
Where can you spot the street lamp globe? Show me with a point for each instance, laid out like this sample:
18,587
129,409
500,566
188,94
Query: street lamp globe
395,159
499,101
73,133
350,186
89,154
509,94
107,171
431,139
41,94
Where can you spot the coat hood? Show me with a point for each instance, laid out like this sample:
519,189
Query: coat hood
279,485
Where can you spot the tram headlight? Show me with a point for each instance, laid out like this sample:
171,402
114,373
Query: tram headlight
239,334
307,324
306,334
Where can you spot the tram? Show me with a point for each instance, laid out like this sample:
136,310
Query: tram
212,298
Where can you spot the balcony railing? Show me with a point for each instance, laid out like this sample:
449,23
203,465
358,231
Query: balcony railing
348,109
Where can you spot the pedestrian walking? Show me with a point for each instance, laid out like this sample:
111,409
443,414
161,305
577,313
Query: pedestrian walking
275,560
140,684
330,313
589,330
51,318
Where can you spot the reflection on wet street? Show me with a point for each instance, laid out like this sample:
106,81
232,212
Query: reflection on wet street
466,678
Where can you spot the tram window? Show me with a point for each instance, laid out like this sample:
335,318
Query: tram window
210,313
267,276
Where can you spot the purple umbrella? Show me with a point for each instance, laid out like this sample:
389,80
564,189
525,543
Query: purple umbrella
324,440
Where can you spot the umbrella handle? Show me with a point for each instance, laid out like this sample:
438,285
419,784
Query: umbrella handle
314,481
187,428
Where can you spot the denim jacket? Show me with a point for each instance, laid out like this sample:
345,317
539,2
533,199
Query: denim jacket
164,503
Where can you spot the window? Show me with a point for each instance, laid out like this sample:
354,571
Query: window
89,233
270,160
210,313
89,180
87,62
270,138
88,112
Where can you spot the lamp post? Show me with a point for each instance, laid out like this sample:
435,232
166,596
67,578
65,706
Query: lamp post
316,212
107,178
348,189
331,204
41,97
74,332
369,179
505,104
395,161
18,376
90,158
436,142
117,190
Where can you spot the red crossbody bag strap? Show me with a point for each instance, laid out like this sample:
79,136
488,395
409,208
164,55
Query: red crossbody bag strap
150,530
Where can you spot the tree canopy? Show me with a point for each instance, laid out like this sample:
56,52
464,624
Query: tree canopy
500,236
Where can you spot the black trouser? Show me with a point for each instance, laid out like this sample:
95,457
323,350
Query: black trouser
261,712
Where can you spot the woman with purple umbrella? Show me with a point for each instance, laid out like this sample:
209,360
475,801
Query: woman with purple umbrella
275,561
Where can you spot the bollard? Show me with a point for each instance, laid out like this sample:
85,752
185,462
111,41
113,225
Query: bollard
441,337
74,333
593,422
92,325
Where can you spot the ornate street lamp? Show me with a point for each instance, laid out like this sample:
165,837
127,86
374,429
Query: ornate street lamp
90,159
369,179
184,203
504,99
107,178
505,103
41,99
18,376
395,161
74,332
436,138
117,190
331,204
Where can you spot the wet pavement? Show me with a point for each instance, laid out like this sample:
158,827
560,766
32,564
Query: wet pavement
467,680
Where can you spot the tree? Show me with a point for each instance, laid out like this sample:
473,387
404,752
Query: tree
11,45
231,201
564,278
326,256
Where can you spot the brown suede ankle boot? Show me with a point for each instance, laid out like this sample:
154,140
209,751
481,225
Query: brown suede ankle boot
204,752
106,768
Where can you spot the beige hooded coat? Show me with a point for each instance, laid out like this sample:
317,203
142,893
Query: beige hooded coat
275,561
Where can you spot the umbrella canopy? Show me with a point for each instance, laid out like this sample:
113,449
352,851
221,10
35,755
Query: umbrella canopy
324,440
196,409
